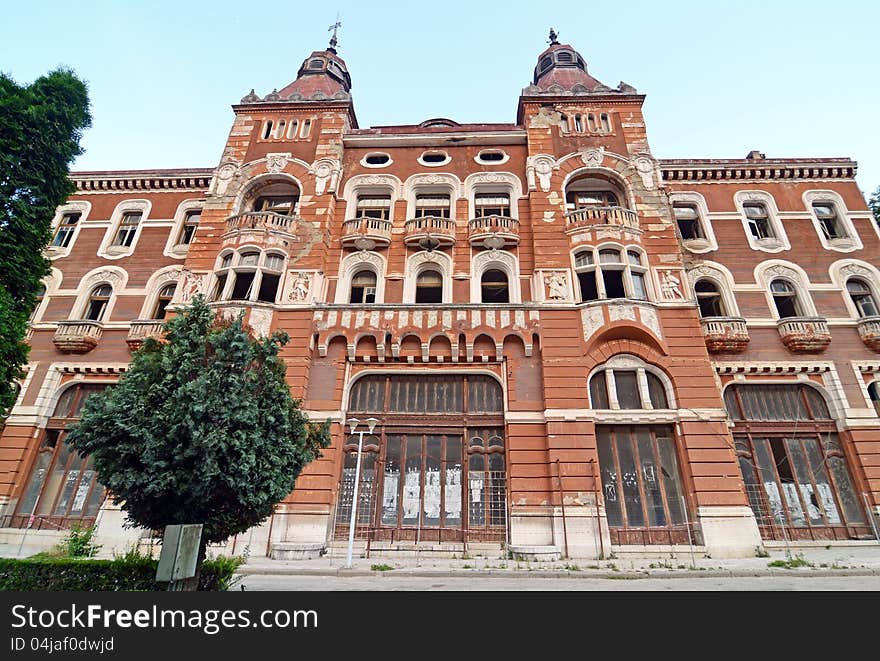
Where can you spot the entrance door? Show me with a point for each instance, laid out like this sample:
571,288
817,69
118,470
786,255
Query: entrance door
434,469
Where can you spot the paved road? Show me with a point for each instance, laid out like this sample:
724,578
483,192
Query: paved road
388,582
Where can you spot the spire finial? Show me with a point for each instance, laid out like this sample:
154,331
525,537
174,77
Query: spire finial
553,36
334,27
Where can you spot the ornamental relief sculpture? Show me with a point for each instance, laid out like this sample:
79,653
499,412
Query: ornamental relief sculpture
277,162
189,285
593,157
327,172
540,168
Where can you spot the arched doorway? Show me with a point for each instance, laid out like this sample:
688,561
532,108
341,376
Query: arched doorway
792,463
435,468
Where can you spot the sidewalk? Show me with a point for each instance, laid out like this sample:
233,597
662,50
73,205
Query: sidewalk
862,560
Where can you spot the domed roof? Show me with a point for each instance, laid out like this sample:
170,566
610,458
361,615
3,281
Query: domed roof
563,66
322,71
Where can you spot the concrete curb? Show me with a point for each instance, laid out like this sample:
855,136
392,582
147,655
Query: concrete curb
549,573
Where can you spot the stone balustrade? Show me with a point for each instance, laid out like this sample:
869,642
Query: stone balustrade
141,329
725,334
77,335
869,331
589,216
260,220
493,231
439,230
366,233
804,334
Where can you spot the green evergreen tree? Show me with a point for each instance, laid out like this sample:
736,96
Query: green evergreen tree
40,128
201,428
874,205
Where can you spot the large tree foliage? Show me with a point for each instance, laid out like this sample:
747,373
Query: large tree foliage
200,429
874,205
40,129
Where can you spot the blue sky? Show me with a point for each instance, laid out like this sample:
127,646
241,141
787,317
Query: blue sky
722,78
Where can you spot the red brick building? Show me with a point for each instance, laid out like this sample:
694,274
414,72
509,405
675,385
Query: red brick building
569,345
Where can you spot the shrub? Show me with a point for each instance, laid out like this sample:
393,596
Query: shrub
78,543
131,572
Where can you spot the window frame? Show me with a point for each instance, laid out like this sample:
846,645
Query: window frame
850,240
108,248
625,266
229,272
81,207
779,241
173,246
631,363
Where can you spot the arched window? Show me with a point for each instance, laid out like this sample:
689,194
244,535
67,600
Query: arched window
166,294
190,223
363,287
759,220
795,472
495,287
862,297
429,287
279,129
687,217
578,124
610,273
605,121
785,299
709,298
249,276
627,388
63,487
292,128
591,122
96,306
267,129
306,128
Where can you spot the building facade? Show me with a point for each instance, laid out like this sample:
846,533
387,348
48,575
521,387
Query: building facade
567,345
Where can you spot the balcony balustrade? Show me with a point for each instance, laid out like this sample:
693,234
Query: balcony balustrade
804,334
429,232
725,334
77,335
493,231
869,331
366,233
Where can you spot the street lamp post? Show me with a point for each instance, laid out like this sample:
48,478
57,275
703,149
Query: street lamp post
371,425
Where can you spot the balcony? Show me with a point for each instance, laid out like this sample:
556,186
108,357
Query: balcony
366,233
260,220
725,334
589,216
141,329
493,231
869,331
429,232
77,335
804,334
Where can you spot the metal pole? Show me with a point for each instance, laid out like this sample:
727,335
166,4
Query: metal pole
598,515
562,501
687,523
354,500
871,517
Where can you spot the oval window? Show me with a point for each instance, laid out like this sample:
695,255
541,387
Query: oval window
493,156
376,159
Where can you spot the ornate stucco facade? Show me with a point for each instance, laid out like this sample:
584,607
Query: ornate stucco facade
570,345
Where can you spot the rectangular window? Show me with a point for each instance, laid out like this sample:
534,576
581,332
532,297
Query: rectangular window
127,229
268,288
284,205
190,223
491,204
688,219
241,289
759,221
613,283
587,280
66,228
829,221
374,206
432,205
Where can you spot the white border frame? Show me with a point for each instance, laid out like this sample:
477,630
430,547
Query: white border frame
107,251
782,243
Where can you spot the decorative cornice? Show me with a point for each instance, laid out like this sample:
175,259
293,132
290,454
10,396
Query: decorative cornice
771,368
745,169
188,179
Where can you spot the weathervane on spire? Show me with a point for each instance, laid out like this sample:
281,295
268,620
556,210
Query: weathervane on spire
553,36
334,27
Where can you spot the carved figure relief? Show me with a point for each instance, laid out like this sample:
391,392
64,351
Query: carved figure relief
557,286
299,292
670,286
223,177
190,284
645,168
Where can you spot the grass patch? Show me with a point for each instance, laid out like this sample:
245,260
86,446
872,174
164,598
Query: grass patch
791,563
381,567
